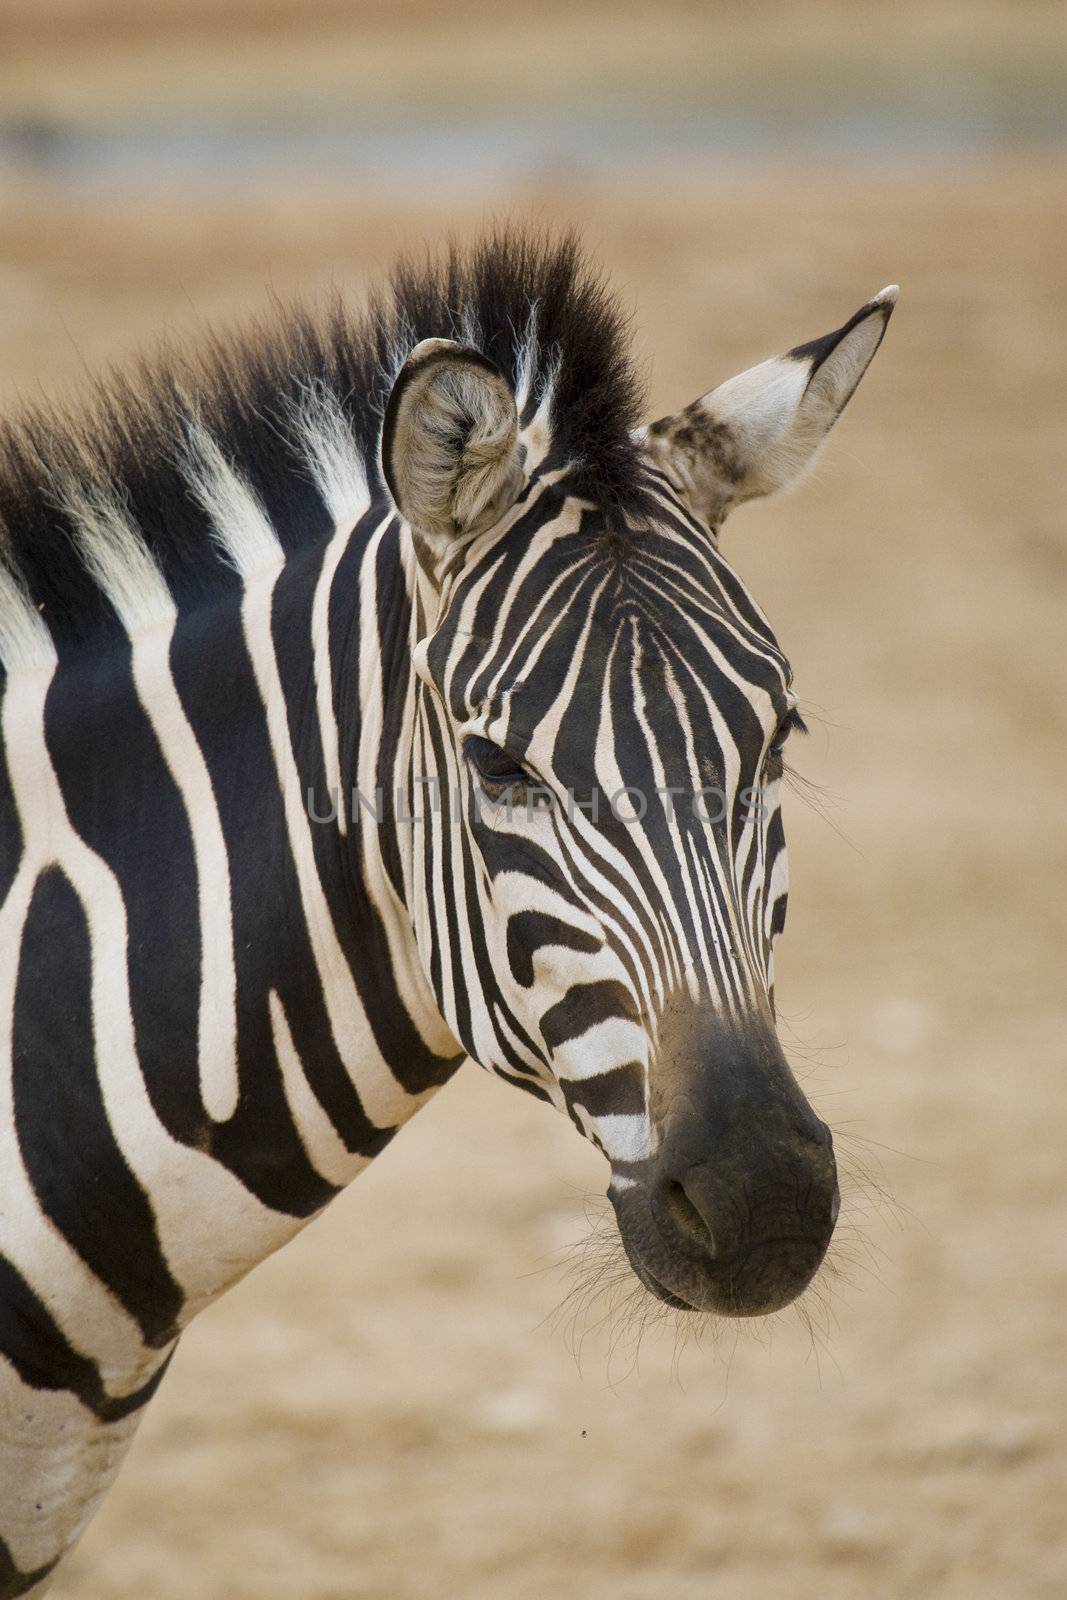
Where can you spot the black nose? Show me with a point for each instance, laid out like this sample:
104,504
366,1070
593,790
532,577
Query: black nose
734,1210
747,1227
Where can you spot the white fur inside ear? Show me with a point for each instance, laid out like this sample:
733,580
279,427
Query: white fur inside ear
450,446
835,380
760,404
760,431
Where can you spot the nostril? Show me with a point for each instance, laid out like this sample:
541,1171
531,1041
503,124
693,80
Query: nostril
686,1217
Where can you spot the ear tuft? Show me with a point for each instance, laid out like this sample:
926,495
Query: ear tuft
450,448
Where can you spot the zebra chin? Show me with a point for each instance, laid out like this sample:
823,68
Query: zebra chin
763,1277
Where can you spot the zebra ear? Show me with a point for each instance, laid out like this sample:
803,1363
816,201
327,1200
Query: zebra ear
760,431
450,448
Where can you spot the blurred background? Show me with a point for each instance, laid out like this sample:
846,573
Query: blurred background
393,1409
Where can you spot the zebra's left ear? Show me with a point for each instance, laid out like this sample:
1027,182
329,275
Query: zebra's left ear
450,448
759,431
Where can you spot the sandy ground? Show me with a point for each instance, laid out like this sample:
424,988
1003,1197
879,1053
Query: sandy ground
388,1411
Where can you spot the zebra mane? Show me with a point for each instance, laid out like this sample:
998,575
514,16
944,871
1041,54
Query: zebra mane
107,507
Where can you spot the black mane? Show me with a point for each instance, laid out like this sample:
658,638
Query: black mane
242,388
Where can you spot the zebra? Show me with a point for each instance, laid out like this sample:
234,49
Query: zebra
375,696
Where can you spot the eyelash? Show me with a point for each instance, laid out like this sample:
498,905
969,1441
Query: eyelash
509,776
774,761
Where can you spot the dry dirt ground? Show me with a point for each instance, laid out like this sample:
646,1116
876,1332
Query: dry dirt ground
387,1410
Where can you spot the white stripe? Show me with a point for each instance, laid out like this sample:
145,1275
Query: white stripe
604,1047
409,976
526,354
778,884
626,1137
89,1317
384,1099
185,1186
258,556
25,642
239,523
536,436
339,474
56,1463
324,704
217,1025
323,1145
116,555
325,438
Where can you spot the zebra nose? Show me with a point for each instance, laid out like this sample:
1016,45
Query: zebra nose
684,1218
717,1212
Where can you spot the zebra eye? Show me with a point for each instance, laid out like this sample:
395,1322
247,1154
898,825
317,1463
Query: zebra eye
773,765
498,770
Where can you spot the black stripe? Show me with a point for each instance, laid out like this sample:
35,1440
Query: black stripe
531,1086
501,609
14,1582
778,913
583,1007
618,1093
632,917
10,827
447,837
362,933
122,800
78,1172
259,1143
530,931
486,961
40,1353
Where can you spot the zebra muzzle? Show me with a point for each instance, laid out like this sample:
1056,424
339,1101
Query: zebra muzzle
734,1212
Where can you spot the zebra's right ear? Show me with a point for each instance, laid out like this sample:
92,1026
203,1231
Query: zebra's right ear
450,450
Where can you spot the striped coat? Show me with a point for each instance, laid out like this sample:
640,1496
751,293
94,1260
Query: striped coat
375,695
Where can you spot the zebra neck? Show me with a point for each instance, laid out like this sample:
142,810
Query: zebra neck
243,1023
377,611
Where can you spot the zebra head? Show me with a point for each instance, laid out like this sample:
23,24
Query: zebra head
600,716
